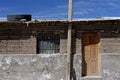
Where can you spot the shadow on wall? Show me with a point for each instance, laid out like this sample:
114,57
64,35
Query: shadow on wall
15,34
73,71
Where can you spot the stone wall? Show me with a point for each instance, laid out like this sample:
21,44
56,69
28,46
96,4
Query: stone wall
37,67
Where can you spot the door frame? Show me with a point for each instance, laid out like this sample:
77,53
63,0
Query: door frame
99,57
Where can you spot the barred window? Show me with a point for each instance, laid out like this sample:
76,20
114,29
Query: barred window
48,43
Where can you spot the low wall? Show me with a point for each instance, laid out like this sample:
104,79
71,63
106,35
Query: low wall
37,67
111,67
52,67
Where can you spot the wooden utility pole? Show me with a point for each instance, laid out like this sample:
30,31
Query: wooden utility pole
69,41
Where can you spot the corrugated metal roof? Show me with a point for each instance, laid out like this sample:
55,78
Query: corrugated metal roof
98,19
3,19
81,19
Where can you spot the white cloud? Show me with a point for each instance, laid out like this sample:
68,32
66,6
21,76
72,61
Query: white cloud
62,6
3,9
83,12
96,4
115,5
80,7
58,11
52,15
84,7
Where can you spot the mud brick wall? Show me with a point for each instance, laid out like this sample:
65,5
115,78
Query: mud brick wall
23,40
63,43
110,45
20,40
109,39
18,46
106,45
17,41
61,30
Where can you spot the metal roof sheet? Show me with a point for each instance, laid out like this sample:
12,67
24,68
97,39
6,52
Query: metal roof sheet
80,19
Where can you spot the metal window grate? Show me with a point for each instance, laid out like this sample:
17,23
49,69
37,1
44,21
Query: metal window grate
48,43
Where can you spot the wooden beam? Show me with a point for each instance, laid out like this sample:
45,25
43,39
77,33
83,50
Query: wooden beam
68,74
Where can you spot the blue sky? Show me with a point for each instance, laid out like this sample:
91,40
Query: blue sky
59,8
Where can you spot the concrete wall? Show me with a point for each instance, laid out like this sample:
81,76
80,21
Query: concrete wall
37,67
110,66
53,67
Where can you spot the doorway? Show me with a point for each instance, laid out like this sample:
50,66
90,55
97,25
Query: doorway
90,53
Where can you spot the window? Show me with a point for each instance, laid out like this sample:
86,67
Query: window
48,43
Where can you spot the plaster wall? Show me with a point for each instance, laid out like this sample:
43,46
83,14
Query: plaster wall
37,67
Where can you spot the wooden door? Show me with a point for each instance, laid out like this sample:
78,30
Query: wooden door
90,50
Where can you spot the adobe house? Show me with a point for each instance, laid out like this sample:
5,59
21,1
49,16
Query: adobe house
36,50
